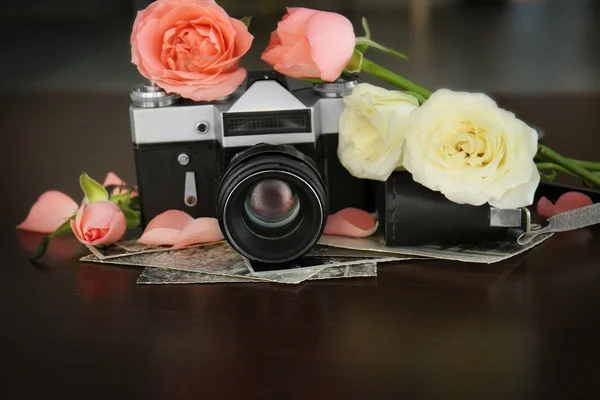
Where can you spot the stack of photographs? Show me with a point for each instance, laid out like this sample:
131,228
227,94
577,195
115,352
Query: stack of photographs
334,257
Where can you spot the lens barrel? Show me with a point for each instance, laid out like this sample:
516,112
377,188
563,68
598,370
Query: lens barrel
291,217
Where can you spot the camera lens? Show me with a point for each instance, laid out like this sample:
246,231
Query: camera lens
271,203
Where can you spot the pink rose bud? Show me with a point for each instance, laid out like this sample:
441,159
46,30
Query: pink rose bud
311,44
190,47
99,223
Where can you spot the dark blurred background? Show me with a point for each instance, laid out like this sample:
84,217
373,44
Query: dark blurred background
497,46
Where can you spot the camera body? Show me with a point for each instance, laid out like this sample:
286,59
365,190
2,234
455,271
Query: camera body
183,148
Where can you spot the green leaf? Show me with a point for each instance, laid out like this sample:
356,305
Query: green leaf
124,198
43,246
313,80
92,189
135,202
132,218
246,21
366,41
363,47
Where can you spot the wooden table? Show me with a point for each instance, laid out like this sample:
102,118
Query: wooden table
526,328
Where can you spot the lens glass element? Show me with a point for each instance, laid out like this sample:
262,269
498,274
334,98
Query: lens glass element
272,204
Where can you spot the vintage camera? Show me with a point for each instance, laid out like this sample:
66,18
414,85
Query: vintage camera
263,161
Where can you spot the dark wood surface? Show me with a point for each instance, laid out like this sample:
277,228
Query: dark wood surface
525,328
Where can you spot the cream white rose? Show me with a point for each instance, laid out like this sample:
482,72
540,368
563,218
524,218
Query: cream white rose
473,152
372,128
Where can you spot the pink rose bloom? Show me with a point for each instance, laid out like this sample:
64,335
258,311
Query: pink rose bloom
99,223
190,47
311,44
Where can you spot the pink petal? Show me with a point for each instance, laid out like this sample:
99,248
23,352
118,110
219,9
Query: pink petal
274,51
350,222
292,26
202,230
570,201
49,212
297,61
332,43
545,208
117,229
171,219
113,180
208,93
160,236
567,202
243,38
76,223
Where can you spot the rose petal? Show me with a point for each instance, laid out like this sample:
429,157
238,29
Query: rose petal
292,26
76,223
351,222
112,180
171,219
274,51
570,201
149,44
297,62
545,208
243,39
567,202
202,230
232,82
117,229
49,212
160,236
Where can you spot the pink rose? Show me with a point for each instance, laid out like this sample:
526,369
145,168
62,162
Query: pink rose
99,223
311,44
190,47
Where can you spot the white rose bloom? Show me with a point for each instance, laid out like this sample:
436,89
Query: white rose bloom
473,152
372,128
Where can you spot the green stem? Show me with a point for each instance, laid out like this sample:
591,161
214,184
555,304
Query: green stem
575,169
385,74
589,165
43,246
548,166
